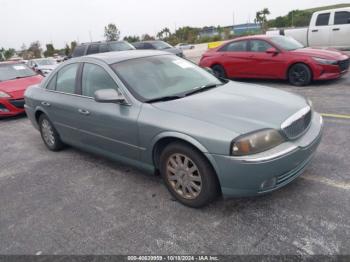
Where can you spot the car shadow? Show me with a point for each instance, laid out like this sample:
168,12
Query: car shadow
12,118
285,84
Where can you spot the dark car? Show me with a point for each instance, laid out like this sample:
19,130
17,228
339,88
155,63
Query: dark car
158,45
101,47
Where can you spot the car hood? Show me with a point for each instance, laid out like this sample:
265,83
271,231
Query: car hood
238,107
47,67
321,53
16,87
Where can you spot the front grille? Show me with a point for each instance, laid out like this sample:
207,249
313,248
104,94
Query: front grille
295,128
344,65
19,103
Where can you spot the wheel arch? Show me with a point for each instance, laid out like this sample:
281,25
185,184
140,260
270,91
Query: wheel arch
299,62
165,139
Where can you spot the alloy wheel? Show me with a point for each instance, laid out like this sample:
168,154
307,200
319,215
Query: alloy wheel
184,176
47,132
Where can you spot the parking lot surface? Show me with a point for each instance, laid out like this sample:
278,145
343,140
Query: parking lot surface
73,202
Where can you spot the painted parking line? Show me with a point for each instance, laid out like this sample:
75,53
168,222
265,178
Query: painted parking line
327,181
336,116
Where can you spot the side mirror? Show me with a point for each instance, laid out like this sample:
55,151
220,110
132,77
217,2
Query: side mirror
272,51
108,96
209,70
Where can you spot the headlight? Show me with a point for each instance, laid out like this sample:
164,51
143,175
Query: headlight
256,142
4,95
325,61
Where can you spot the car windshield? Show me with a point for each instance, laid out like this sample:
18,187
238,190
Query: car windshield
155,77
43,62
161,45
13,71
286,43
121,46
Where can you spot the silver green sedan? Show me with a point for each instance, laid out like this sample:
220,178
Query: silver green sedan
158,112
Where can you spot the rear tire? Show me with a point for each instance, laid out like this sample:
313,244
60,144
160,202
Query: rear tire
188,175
219,71
49,134
299,75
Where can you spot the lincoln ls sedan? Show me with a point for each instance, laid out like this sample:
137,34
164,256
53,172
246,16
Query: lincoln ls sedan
160,113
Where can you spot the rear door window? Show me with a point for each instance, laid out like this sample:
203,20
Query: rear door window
238,46
103,48
79,51
66,79
322,19
342,18
52,83
92,49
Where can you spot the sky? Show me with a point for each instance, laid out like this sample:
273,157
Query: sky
62,21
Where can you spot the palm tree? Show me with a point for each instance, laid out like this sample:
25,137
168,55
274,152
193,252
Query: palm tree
261,18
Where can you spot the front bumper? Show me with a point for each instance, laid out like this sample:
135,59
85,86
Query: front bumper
270,170
328,72
11,107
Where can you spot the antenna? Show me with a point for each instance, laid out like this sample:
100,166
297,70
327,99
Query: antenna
90,35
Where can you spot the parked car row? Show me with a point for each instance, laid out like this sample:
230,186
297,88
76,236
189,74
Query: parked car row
15,78
103,47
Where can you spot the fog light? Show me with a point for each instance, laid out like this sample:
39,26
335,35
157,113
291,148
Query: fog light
268,184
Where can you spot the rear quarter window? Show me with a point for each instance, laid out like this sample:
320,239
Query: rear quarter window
79,51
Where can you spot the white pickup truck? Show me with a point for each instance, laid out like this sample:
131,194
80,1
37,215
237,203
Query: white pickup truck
328,28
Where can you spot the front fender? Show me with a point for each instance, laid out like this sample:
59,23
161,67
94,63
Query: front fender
147,156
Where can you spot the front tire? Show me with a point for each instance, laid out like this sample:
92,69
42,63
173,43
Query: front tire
188,175
49,134
219,71
299,75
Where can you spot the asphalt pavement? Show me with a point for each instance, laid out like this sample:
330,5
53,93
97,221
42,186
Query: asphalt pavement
73,202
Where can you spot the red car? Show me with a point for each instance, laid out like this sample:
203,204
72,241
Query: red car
275,57
14,80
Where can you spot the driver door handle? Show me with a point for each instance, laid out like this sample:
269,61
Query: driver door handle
83,112
336,29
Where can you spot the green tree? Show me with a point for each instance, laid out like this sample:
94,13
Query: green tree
132,38
147,37
50,50
73,45
111,32
261,18
67,50
35,49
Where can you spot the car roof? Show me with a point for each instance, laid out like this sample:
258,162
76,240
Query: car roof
101,42
10,62
249,37
148,41
119,56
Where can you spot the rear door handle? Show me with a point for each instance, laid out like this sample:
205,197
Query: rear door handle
45,103
314,31
84,112
336,29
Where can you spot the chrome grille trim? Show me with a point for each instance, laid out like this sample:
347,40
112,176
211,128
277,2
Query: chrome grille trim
297,124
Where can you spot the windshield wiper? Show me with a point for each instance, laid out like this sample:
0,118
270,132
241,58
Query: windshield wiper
202,89
163,98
